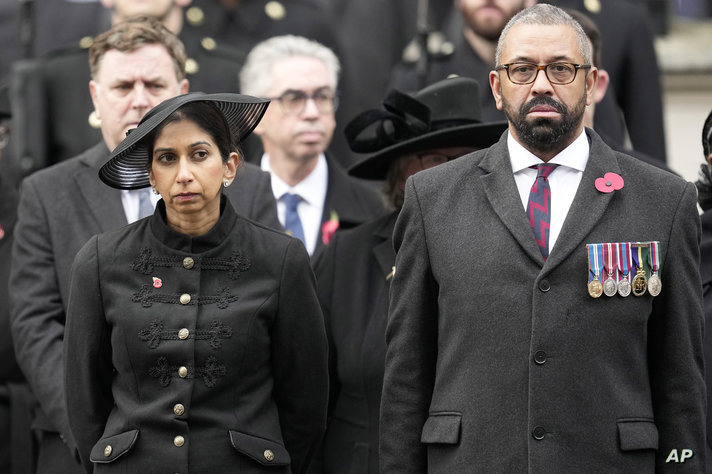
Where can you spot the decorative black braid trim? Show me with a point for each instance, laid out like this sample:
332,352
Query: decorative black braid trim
210,372
154,333
147,296
235,265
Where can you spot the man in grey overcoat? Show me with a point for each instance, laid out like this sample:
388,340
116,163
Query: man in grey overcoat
561,334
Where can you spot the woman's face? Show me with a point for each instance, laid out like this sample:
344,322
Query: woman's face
187,170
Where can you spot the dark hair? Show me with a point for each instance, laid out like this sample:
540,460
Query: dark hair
704,183
206,116
133,33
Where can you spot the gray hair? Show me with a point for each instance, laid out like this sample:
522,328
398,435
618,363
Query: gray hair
255,76
545,14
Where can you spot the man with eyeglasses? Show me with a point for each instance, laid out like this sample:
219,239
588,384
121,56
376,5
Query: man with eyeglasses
546,309
314,195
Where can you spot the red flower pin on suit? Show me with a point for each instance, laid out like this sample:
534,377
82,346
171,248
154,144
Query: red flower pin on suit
329,227
609,183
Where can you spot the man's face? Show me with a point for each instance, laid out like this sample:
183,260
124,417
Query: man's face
487,18
543,117
297,135
127,85
127,8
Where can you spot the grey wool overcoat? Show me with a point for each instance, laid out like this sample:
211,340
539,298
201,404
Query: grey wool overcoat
498,361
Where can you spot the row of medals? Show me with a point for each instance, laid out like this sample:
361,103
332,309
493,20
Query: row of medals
624,287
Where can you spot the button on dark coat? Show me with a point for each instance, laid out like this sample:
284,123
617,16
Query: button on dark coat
251,376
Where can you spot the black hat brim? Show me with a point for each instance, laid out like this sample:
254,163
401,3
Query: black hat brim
478,135
127,166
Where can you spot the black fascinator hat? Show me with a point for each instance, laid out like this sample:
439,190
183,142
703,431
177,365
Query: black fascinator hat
444,114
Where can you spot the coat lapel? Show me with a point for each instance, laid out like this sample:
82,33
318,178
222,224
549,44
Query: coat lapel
103,201
501,190
589,204
383,252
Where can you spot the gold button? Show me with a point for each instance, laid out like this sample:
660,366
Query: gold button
208,43
184,298
86,42
183,333
269,455
94,121
178,409
179,441
191,66
107,450
195,15
182,372
275,10
188,263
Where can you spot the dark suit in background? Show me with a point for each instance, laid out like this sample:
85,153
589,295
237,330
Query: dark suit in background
629,57
354,201
60,208
499,361
355,306
53,114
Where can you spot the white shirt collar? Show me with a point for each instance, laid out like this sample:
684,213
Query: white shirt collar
311,189
574,156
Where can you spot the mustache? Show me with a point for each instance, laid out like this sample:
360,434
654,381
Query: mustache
543,100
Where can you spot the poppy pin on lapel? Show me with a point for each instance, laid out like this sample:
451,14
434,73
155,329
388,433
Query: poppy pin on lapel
157,282
609,183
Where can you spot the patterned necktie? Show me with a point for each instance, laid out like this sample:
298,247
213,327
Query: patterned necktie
292,222
145,206
539,207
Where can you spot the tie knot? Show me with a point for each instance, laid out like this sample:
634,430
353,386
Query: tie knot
291,201
544,170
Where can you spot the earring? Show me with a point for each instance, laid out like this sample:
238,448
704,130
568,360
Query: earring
155,191
226,183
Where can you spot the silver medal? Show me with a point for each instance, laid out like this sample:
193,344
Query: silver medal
654,284
624,286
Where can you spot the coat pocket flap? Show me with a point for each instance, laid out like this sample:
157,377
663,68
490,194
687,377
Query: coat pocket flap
637,434
442,428
111,448
264,451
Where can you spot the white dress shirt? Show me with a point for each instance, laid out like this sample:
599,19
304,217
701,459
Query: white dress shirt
129,200
563,181
312,190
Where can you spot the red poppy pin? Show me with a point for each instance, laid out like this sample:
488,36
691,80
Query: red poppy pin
329,227
609,183
157,282
2,232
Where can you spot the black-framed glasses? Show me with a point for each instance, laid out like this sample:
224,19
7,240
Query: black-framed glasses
559,73
293,102
4,135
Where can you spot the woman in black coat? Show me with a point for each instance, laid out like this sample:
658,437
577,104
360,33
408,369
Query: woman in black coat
438,123
194,339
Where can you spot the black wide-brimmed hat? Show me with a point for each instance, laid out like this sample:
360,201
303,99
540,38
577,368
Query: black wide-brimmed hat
127,166
444,114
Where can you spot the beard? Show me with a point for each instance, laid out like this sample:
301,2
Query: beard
546,134
489,27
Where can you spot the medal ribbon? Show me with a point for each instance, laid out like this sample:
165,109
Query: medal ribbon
594,264
654,256
638,256
623,257
608,259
